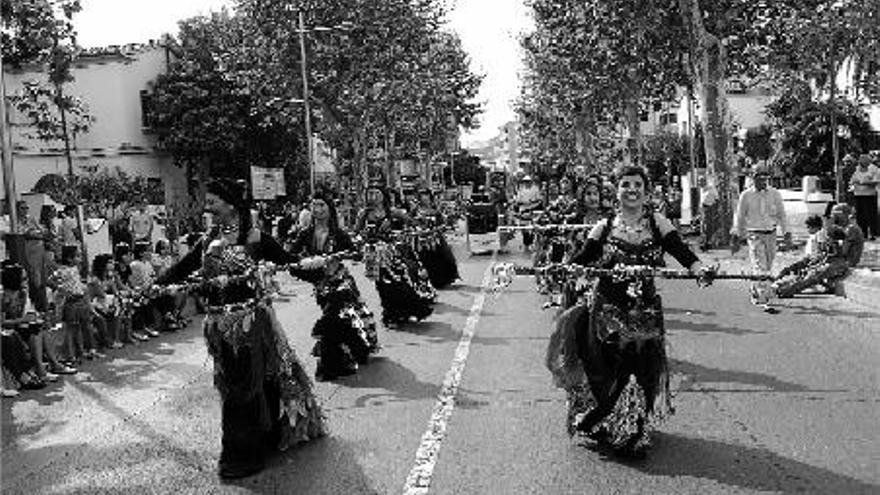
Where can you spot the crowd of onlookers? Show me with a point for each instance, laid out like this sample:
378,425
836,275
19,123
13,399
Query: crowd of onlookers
57,313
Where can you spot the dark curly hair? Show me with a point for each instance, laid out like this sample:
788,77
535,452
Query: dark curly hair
234,193
626,170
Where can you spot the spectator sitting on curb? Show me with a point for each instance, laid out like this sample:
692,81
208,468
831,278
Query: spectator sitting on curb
842,251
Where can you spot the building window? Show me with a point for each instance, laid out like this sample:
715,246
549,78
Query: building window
147,120
669,119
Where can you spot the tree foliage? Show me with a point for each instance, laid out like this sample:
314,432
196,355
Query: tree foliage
41,32
31,29
593,66
381,74
806,132
100,189
206,116
40,105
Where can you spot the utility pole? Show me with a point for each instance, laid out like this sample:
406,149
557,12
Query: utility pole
692,152
306,106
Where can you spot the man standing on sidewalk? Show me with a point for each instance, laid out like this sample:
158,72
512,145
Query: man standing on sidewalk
759,212
863,185
708,199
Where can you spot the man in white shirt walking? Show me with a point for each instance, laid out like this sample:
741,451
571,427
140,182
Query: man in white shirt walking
760,211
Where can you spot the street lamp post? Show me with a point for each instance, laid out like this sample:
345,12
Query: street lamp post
301,30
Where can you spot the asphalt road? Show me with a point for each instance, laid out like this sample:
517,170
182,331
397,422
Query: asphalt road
765,403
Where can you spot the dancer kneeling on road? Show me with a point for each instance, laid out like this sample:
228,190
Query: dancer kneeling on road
346,332
609,354
841,251
268,401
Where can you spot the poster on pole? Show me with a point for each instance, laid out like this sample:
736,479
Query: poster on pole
267,183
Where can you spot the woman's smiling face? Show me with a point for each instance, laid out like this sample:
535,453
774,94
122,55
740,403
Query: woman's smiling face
631,191
591,196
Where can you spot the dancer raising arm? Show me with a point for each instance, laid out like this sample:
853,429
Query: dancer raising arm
268,401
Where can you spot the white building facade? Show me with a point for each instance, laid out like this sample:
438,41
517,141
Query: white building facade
114,82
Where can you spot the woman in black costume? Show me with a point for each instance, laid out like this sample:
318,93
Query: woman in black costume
268,401
346,332
609,353
405,293
434,252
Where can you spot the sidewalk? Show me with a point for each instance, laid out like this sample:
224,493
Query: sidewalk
861,286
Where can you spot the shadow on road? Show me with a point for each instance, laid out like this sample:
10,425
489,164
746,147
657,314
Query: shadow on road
384,373
442,307
696,373
326,466
747,467
125,368
830,313
689,326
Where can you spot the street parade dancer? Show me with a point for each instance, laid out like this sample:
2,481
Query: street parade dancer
345,333
268,401
609,352
404,293
434,252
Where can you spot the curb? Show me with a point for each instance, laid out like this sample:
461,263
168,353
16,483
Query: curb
862,286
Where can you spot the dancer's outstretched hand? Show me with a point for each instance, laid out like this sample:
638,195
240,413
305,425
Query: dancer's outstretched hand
706,275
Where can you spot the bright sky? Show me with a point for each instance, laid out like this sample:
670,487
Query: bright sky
488,30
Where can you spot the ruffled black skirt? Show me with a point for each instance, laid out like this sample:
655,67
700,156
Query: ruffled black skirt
403,297
440,263
346,333
613,365
268,403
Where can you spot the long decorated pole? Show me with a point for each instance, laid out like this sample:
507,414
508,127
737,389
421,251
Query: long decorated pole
562,226
631,271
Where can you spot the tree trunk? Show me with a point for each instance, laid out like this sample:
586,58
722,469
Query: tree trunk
633,128
584,140
708,66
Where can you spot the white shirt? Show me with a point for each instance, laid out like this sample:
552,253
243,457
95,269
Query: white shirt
871,174
528,195
759,211
141,225
305,218
815,242
708,196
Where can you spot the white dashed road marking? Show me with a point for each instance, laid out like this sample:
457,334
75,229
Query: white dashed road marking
419,480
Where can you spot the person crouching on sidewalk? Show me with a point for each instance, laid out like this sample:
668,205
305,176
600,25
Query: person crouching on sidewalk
760,211
842,251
